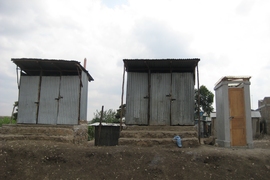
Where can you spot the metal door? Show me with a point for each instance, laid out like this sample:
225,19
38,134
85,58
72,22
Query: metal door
182,99
28,99
69,100
160,99
48,105
237,117
137,99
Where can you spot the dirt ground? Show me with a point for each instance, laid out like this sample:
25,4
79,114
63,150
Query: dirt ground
51,160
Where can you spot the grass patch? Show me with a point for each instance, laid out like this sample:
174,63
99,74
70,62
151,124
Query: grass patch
6,120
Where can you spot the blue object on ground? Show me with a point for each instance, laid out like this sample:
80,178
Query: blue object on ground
178,141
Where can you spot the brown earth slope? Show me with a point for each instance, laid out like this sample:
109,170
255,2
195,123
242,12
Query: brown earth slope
51,160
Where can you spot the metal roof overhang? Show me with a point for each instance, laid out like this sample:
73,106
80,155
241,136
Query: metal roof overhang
49,67
161,65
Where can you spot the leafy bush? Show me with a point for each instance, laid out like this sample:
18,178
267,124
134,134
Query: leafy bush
6,120
108,116
91,133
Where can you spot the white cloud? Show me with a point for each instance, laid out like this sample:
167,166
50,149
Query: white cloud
230,38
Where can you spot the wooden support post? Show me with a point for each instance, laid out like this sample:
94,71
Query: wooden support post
100,124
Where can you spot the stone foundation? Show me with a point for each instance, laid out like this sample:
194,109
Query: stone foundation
77,134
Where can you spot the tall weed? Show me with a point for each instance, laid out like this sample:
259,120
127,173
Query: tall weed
6,120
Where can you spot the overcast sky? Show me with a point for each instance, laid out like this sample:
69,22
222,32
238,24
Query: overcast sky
231,37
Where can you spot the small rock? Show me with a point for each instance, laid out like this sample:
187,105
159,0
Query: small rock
210,141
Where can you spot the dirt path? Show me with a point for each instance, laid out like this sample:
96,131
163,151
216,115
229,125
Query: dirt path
50,160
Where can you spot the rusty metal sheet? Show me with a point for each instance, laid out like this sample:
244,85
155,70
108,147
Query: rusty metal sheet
182,106
136,99
160,99
28,99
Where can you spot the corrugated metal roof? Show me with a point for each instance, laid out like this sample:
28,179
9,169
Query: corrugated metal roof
256,114
105,124
50,67
161,65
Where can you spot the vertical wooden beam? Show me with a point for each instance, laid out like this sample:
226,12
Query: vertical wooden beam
149,93
100,124
39,89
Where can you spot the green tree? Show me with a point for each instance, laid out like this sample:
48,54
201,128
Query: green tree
118,114
206,101
108,116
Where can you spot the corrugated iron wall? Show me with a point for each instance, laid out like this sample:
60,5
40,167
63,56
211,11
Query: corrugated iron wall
48,104
58,103
27,109
69,104
160,99
84,97
182,106
136,98
171,99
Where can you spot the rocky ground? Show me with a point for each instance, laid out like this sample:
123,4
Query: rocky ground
50,160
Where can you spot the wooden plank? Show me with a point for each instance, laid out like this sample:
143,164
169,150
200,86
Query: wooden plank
237,114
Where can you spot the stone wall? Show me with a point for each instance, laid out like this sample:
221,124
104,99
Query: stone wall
77,134
80,134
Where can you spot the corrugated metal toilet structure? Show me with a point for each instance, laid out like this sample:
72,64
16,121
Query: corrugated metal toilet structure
159,101
233,117
52,93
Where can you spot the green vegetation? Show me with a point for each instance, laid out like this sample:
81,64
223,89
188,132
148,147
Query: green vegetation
91,133
6,120
206,101
108,116
118,114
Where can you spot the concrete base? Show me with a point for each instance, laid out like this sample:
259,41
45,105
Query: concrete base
223,143
250,145
227,144
77,134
